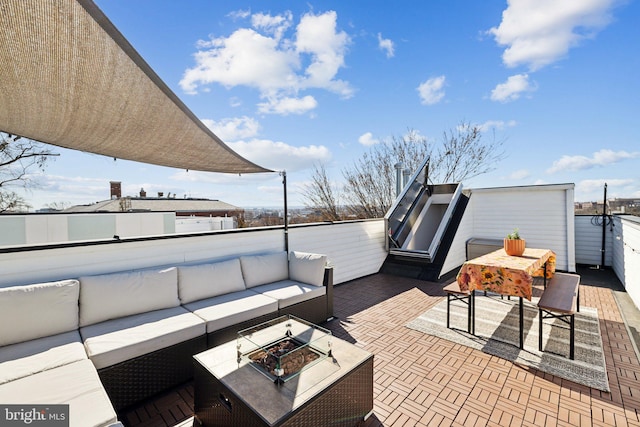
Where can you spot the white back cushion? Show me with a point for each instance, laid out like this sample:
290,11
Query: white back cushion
110,296
39,310
307,268
261,269
198,282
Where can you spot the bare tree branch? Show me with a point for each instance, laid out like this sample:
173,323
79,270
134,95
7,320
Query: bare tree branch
320,195
370,182
369,189
464,154
17,157
12,202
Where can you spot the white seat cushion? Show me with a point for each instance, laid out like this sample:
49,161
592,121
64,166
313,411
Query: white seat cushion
30,357
110,296
117,340
307,268
262,269
230,309
76,384
289,292
209,280
39,310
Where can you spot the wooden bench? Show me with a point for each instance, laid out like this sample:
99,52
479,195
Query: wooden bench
561,300
455,294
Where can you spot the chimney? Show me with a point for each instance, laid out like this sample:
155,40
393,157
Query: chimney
116,189
143,193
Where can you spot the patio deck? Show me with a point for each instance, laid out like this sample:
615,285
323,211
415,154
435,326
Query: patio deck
419,380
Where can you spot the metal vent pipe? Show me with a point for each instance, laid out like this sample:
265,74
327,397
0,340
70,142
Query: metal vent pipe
399,185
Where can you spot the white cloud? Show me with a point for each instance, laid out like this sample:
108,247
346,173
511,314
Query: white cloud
222,179
288,105
539,32
275,25
240,14
317,35
497,124
600,158
278,155
591,190
367,139
415,135
512,88
244,58
271,189
431,91
279,67
386,45
519,175
72,185
232,129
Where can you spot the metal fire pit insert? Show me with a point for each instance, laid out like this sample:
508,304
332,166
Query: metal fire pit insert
282,348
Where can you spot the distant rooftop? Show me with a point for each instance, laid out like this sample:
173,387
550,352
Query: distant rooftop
162,203
155,204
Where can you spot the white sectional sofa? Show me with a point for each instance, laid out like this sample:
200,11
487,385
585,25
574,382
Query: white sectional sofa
42,357
101,343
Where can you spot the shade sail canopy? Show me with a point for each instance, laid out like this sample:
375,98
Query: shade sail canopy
69,78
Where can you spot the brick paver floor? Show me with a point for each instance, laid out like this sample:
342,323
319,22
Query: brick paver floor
421,380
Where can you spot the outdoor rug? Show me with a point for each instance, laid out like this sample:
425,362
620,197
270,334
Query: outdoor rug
497,334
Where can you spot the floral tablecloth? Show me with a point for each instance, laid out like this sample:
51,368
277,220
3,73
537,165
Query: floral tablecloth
505,274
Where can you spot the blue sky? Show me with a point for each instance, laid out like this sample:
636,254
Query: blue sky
293,84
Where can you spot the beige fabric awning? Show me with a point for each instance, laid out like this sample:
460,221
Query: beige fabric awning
69,78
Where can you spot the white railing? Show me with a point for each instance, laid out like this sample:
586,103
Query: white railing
621,247
354,248
626,254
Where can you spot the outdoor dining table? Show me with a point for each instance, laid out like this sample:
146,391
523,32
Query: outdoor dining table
508,275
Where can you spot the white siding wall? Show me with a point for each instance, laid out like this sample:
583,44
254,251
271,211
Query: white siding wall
589,241
457,253
355,249
543,214
626,254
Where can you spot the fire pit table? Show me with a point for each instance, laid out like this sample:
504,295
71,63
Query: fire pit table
285,372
